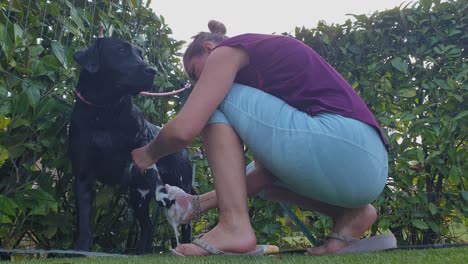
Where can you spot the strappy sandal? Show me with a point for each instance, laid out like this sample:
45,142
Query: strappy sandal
258,251
374,243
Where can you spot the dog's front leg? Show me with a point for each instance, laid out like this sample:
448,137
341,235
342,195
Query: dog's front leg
84,192
141,192
140,199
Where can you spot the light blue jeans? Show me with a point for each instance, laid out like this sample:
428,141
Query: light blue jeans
326,157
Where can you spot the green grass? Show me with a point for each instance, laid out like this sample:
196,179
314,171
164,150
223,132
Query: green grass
446,255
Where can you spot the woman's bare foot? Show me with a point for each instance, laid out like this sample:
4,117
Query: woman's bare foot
228,239
353,223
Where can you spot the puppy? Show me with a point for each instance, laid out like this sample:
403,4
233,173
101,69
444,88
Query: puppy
106,126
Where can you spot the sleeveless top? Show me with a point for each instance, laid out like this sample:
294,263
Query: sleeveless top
292,71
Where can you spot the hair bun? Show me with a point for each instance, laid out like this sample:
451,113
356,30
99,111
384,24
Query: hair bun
217,27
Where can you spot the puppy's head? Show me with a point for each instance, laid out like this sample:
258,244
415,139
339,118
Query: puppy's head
117,65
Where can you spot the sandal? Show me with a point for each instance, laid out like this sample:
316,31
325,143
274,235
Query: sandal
374,243
258,251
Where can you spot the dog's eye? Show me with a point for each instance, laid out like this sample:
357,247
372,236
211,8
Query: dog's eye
123,51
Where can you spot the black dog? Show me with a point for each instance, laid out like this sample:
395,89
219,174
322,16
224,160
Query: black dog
106,126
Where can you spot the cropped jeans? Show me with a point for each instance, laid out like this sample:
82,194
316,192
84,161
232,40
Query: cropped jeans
326,157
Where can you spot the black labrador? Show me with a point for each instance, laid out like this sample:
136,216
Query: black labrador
106,126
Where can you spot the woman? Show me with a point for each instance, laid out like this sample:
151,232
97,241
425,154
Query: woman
314,141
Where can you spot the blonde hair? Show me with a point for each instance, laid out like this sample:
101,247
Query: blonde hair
217,34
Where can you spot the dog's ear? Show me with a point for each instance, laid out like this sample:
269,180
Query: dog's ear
89,58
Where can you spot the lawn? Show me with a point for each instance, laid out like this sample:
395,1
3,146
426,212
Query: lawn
445,255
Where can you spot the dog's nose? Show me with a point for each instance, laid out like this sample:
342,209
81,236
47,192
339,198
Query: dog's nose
150,71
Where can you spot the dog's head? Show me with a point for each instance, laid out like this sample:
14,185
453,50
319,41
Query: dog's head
117,65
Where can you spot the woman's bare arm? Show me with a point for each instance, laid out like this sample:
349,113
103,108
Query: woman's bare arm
214,83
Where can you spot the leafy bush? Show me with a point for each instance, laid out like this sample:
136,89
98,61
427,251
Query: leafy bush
38,40
410,67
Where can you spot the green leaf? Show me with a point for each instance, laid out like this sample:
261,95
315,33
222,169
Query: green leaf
15,151
407,116
454,175
461,115
454,52
19,122
32,146
464,195
432,208
7,42
271,228
4,219
3,157
32,92
408,92
419,223
439,49
60,54
426,4
50,231
433,226
3,91
4,122
421,157
7,206
54,9
457,97
441,83
383,223
400,64
18,31
35,51
51,62
76,18
40,202
454,31
462,74
386,84
38,68
46,105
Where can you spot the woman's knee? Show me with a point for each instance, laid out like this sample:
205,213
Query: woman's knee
212,129
218,117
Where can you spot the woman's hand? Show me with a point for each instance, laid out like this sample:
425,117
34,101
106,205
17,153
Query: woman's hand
142,158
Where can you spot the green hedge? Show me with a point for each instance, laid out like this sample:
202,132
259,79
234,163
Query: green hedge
38,75
410,66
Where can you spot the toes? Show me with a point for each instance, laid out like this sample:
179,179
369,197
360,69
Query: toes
317,251
331,246
191,250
